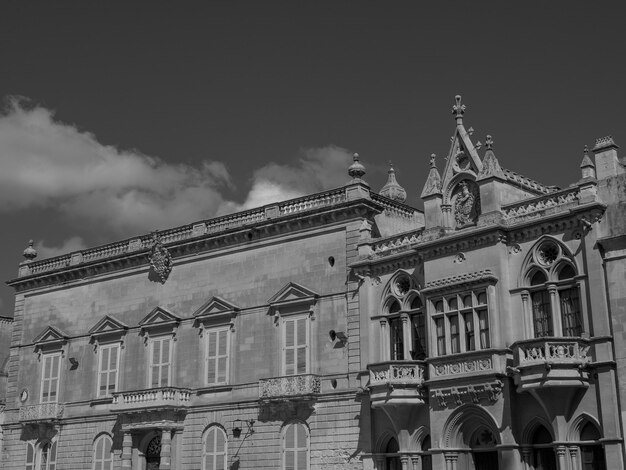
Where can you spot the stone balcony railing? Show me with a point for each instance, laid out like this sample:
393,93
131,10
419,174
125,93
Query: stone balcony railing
155,398
290,386
394,383
41,413
552,351
397,373
551,362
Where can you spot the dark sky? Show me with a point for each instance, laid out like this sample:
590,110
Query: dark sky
253,83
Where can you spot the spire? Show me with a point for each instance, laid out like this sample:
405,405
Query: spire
29,253
392,189
588,169
491,166
356,170
433,182
458,109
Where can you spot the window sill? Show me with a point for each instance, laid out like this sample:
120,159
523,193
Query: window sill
101,401
214,389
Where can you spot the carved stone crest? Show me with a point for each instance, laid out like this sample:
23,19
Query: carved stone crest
160,261
466,204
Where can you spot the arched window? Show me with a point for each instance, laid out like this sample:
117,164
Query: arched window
295,447
392,458
102,453
42,456
404,319
592,457
30,456
554,292
543,453
215,449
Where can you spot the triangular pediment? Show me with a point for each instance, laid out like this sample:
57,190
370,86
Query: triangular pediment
216,306
159,316
50,335
293,293
108,324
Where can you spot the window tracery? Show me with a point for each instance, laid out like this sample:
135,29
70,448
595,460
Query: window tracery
553,289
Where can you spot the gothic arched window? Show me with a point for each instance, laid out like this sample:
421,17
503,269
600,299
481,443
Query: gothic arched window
554,292
215,449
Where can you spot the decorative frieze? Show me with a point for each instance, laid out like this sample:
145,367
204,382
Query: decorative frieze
463,366
291,386
475,393
553,351
464,279
542,203
397,373
42,412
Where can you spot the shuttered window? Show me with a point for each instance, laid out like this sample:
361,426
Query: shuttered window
50,378
102,455
295,447
295,345
107,369
160,361
217,356
215,450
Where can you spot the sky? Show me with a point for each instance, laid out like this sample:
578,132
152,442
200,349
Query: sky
119,118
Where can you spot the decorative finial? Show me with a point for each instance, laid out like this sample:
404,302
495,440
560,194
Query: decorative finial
458,109
488,142
586,150
432,160
356,170
30,253
587,163
392,188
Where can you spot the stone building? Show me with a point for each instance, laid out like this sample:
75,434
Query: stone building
342,330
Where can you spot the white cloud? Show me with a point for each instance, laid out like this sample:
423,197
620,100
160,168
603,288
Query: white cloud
68,246
119,193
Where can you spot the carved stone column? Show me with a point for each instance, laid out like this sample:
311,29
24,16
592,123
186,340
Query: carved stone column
451,458
527,454
384,340
560,455
415,461
127,450
166,450
527,316
573,456
404,460
557,325
380,462
406,335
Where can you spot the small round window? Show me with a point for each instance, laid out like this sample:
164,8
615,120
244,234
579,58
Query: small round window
547,253
401,285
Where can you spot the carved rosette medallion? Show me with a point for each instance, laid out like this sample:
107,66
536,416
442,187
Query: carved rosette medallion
160,260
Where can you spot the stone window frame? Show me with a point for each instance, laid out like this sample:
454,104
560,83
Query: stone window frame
552,287
170,364
160,324
206,334
108,332
37,452
101,348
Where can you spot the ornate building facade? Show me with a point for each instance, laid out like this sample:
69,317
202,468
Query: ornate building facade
343,330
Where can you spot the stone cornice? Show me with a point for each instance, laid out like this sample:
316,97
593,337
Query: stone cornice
204,242
465,279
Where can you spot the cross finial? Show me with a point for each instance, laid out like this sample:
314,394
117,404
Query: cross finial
458,109
432,160
488,142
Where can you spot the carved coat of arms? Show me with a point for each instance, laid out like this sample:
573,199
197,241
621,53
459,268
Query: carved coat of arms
160,261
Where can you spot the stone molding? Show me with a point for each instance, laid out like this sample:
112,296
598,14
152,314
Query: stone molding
451,397
465,279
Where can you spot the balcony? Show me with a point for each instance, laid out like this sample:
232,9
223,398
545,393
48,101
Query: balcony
551,362
151,399
42,413
397,383
289,387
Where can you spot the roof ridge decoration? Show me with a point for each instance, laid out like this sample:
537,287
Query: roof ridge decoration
392,188
491,166
433,182
603,143
528,183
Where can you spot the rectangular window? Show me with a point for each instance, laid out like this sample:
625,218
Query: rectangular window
50,378
542,313
160,361
107,369
470,342
217,356
455,344
441,336
295,345
570,312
